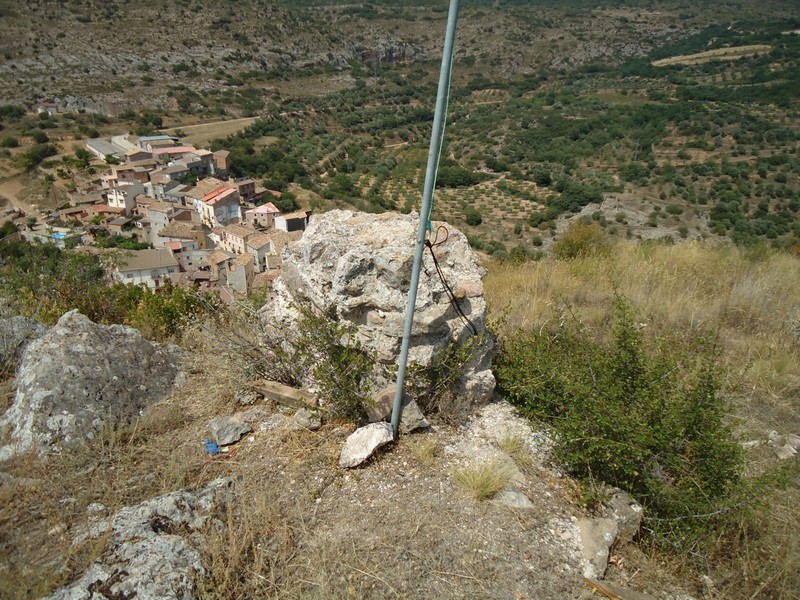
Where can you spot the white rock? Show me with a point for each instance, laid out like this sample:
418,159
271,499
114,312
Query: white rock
597,537
361,444
227,430
359,265
513,498
80,377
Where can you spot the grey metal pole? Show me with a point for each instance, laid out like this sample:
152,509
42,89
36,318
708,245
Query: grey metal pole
427,198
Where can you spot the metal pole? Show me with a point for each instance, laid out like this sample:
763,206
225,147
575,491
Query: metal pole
427,198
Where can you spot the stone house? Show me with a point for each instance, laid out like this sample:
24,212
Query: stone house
219,207
233,238
262,216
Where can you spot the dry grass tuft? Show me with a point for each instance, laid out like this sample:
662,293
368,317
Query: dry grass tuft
483,481
517,449
425,450
250,552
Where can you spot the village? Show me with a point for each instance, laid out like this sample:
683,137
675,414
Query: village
192,222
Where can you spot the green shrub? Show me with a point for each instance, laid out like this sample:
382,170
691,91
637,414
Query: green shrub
581,239
674,209
330,352
473,217
649,420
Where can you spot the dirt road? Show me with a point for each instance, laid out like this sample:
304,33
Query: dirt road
13,191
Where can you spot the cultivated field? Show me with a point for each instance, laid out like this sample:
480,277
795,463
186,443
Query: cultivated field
733,53
202,133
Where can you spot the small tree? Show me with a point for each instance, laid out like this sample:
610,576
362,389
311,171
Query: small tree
581,239
473,217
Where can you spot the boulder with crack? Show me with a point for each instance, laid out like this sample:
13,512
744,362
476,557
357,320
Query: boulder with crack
81,377
359,267
152,548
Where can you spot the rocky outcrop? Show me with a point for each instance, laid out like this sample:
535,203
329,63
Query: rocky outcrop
387,51
15,334
81,377
359,267
152,548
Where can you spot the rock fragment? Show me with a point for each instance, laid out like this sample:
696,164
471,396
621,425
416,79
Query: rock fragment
412,418
227,430
363,442
15,335
151,553
308,419
358,267
597,537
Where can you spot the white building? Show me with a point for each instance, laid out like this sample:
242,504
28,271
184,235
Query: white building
149,267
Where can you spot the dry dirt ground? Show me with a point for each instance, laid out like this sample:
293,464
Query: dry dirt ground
201,134
732,53
298,526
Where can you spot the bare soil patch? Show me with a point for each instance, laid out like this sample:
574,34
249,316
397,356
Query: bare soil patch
733,53
202,133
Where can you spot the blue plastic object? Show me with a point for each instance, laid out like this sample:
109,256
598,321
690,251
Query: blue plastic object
211,448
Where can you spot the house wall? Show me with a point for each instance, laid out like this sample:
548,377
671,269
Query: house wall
152,278
158,221
226,212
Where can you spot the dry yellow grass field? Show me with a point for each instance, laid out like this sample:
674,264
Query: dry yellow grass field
752,297
202,133
733,53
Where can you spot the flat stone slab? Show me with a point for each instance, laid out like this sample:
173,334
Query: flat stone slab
284,394
363,442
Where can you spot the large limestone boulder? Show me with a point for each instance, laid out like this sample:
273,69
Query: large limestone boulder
359,266
80,377
15,334
152,548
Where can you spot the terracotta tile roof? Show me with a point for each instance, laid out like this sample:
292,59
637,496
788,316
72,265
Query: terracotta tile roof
239,231
204,186
278,237
220,196
218,256
179,230
174,150
215,192
136,260
296,215
259,241
243,260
